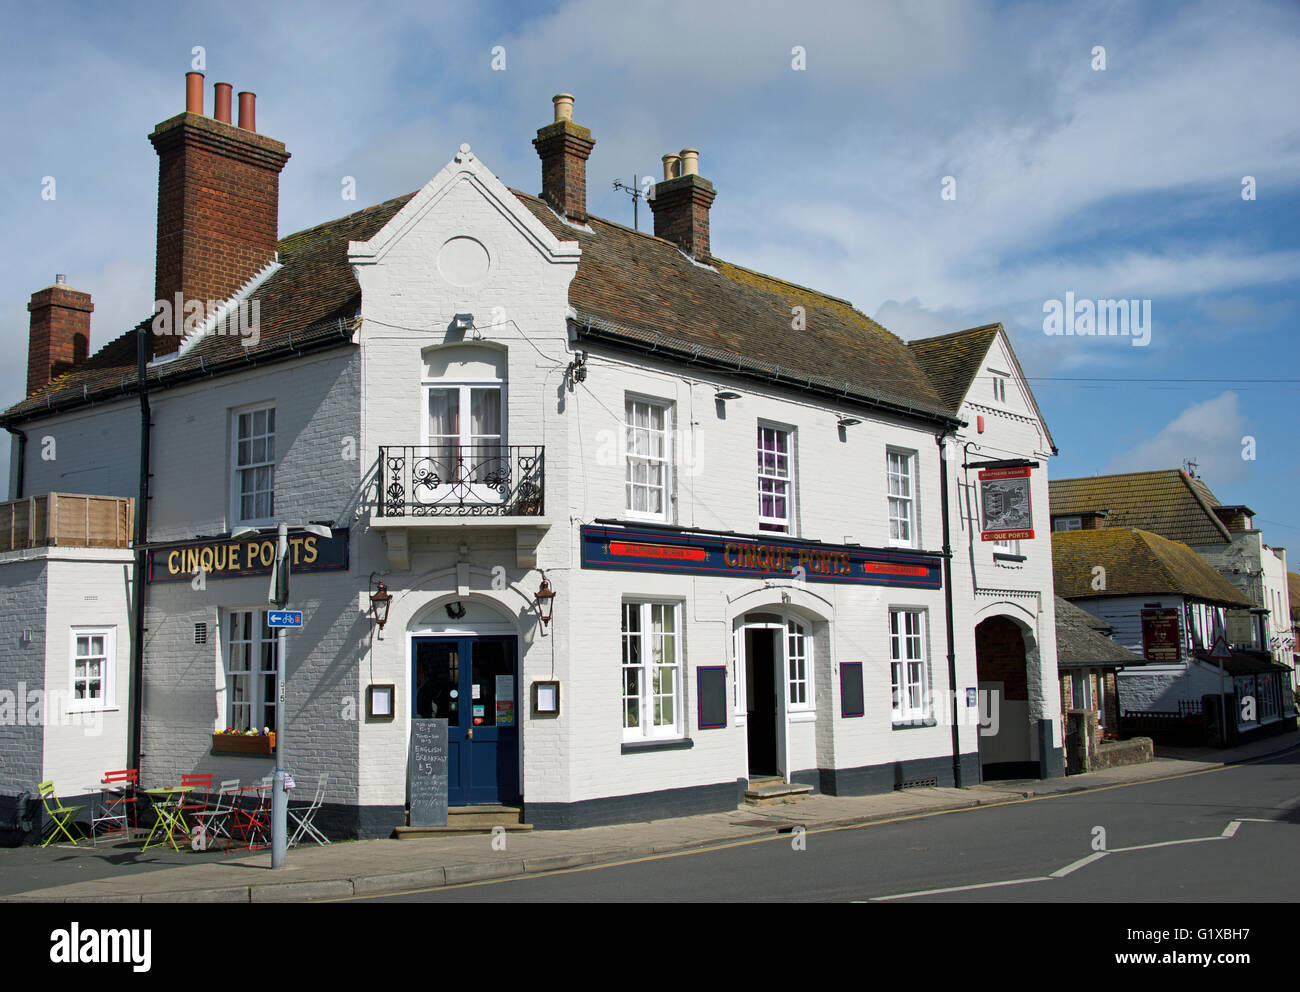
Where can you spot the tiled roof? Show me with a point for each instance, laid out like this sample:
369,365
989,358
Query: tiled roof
633,287
1137,563
953,361
308,302
1167,502
1293,592
644,290
1081,643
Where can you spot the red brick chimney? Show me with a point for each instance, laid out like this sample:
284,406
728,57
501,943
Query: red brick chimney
60,333
218,203
681,204
564,147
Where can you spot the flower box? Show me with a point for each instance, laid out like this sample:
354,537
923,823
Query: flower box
254,744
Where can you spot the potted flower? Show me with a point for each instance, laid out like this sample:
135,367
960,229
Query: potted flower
254,742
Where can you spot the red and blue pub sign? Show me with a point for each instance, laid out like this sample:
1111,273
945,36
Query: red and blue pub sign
637,549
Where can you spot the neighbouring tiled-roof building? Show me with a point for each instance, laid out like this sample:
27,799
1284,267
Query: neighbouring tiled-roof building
1181,507
655,530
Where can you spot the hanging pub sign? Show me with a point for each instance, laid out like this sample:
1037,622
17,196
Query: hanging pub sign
232,558
691,552
1004,504
1161,636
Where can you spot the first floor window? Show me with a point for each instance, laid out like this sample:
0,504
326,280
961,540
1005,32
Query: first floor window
651,670
647,430
252,671
907,666
92,662
902,503
255,464
774,480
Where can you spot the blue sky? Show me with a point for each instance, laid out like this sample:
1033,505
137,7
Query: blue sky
1117,183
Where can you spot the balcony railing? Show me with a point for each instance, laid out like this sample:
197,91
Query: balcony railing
461,481
66,521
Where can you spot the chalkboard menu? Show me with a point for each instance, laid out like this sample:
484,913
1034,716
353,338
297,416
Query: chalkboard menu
712,682
427,773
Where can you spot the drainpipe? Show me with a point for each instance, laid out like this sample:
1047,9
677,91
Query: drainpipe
22,458
141,550
941,440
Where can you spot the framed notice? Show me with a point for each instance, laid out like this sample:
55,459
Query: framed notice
546,699
1161,636
379,701
1005,513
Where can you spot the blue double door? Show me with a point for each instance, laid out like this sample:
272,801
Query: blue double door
472,683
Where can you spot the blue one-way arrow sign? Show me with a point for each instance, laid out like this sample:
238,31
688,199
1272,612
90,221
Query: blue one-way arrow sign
284,618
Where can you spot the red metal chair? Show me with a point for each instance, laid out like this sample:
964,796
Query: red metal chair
196,802
117,804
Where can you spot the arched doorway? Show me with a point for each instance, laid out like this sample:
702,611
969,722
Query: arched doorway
1001,661
464,668
774,658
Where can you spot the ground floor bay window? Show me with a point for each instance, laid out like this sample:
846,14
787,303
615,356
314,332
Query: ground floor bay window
252,671
652,680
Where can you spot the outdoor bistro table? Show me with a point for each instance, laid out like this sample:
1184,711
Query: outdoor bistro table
254,823
167,804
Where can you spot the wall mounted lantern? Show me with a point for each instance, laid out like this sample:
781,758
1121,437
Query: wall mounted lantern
545,600
379,602
848,421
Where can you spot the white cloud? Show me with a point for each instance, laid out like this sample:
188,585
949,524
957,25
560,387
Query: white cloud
1209,432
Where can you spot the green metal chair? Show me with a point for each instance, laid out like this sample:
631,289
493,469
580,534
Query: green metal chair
61,815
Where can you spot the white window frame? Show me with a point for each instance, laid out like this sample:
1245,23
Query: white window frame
237,470
665,462
1007,547
903,691
1000,387
910,500
108,671
1068,523
465,388
776,525
799,666
648,729
260,637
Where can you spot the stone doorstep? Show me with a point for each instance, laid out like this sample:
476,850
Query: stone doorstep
472,820
769,793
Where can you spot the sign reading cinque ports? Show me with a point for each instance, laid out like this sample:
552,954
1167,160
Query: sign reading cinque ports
231,558
636,550
1004,504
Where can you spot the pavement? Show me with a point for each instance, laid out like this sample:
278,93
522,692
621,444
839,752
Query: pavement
359,868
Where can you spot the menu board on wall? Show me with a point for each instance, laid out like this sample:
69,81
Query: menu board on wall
1161,636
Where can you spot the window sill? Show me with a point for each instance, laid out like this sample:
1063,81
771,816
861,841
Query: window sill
1003,556
914,724
74,711
803,716
675,744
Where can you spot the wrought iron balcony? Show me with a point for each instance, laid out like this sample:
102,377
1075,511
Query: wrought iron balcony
490,480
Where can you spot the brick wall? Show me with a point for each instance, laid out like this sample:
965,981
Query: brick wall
218,209
59,334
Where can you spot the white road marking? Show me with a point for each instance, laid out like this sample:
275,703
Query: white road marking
1228,832
1094,856
959,888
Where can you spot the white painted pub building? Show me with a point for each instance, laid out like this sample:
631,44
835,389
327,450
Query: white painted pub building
739,491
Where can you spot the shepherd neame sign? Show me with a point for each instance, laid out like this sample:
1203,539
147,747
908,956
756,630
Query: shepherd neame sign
632,549
226,558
